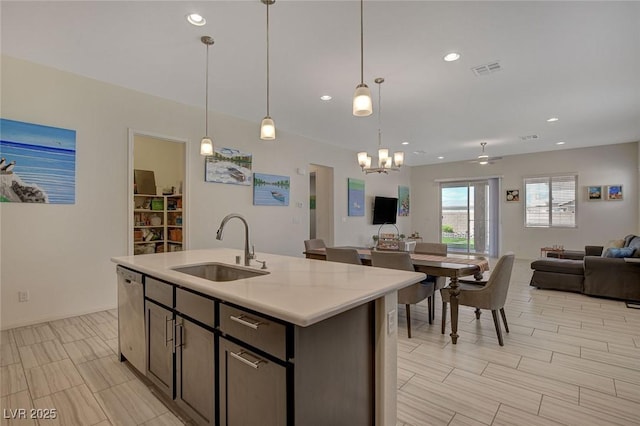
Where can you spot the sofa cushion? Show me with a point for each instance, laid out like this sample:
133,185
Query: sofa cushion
620,252
562,266
633,241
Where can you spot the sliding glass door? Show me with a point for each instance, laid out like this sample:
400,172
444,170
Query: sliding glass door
469,211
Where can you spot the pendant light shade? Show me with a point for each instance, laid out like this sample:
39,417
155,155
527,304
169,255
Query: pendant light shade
362,104
268,126
206,144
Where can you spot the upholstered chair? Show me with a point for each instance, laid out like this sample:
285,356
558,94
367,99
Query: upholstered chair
437,249
343,255
316,243
409,295
492,295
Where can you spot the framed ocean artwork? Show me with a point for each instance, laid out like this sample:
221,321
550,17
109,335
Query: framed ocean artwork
37,163
355,197
228,165
614,193
270,190
403,201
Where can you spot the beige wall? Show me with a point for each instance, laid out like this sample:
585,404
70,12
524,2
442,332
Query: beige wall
164,158
597,222
61,253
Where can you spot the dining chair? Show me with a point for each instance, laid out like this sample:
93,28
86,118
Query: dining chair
315,243
409,295
492,295
437,249
343,255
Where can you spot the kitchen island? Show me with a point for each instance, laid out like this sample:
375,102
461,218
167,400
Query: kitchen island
322,334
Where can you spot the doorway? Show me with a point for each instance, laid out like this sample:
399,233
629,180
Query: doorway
157,193
469,216
321,216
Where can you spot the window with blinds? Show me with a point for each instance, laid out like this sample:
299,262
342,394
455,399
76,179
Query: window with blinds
550,201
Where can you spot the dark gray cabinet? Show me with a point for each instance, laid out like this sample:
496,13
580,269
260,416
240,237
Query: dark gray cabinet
160,346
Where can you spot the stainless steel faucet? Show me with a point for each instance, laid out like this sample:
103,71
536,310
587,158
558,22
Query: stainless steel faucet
247,255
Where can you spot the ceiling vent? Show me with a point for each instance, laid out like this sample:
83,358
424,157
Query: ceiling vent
529,137
486,69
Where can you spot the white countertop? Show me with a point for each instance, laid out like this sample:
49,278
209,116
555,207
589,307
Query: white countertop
300,291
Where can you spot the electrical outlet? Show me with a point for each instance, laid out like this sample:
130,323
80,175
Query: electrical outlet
23,296
392,326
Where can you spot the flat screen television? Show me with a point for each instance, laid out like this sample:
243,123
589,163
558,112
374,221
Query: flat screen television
384,210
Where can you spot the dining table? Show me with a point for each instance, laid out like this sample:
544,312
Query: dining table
452,266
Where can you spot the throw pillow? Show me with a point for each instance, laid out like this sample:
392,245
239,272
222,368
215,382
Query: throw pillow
620,252
612,244
634,242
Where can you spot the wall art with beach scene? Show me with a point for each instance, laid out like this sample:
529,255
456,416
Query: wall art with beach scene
594,193
355,197
270,190
37,163
614,192
228,165
403,201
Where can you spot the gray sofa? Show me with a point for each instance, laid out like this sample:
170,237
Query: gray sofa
593,275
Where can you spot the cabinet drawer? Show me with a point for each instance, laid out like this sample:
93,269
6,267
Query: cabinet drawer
159,291
195,306
255,330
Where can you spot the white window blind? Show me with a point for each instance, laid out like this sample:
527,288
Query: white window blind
550,201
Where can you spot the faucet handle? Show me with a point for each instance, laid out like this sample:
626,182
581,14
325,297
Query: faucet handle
252,255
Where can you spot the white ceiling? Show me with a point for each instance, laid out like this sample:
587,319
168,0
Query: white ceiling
578,61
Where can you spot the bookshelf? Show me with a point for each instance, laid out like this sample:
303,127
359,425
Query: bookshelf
158,223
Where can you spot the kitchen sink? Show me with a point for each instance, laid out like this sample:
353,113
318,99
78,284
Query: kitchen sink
219,272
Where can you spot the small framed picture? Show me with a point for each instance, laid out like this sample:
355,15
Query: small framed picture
594,193
614,192
513,195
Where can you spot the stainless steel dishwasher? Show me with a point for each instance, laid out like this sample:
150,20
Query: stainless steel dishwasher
131,339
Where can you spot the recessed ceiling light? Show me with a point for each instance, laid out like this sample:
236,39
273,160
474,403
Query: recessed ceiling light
405,143
326,97
196,19
420,152
560,143
441,158
450,57
552,119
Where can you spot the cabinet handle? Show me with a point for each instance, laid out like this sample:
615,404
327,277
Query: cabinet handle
176,346
246,321
166,337
253,364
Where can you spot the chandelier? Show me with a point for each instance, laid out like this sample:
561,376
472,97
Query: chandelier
385,163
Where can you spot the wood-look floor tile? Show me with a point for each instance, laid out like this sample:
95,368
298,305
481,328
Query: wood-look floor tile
73,332
515,348
631,362
533,382
12,379
167,419
42,353
113,345
106,330
460,420
74,406
104,373
417,363
130,403
403,376
13,406
417,411
509,416
617,327
29,335
99,318
9,351
560,373
454,398
613,405
594,315
599,335
550,321
571,414
52,377
572,340
489,350
87,350
506,393
627,390
542,343
65,322
604,369
453,357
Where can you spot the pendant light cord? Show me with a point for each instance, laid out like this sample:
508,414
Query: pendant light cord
206,97
379,115
361,41
267,59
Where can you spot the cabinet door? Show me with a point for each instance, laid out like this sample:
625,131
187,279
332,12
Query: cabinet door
160,346
195,371
252,389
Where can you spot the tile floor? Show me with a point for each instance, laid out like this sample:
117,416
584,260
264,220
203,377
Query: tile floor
568,360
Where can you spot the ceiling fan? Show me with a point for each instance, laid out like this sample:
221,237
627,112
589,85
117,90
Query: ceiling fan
484,157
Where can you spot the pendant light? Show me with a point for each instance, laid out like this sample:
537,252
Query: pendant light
268,127
362,104
385,163
206,144
483,158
